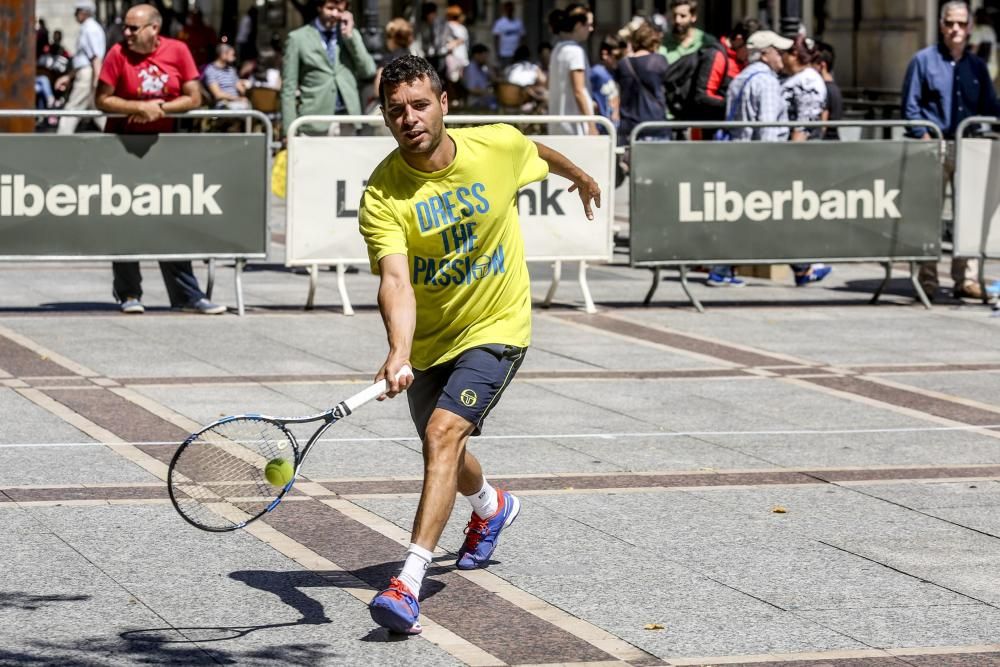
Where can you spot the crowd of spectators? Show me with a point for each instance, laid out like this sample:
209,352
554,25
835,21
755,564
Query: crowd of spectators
654,68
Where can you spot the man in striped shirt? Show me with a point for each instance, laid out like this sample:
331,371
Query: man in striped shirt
223,82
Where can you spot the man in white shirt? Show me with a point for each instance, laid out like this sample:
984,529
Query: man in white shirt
91,46
508,33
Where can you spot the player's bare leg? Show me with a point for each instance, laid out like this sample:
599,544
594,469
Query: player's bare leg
444,460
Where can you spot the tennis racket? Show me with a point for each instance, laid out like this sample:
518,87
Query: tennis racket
217,479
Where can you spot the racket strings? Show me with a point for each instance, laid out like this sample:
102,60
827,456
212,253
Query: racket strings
219,479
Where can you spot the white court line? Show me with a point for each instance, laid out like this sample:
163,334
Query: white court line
576,436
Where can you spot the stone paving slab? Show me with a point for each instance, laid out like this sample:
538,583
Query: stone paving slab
26,422
776,565
211,586
869,563
865,449
983,387
859,339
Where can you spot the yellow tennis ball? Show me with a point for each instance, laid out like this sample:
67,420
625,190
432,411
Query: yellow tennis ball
279,471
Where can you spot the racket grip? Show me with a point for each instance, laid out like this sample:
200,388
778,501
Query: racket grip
373,392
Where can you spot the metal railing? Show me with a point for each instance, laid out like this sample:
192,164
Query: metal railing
683,265
239,260
455,119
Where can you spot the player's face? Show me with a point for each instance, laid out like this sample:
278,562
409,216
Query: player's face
415,116
955,27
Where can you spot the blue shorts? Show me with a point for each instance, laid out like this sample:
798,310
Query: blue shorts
468,385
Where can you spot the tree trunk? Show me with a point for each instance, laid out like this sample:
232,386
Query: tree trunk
17,62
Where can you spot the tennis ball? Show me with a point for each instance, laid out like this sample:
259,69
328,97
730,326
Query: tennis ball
279,471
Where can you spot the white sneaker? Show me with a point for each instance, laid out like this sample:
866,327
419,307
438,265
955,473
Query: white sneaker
205,307
132,306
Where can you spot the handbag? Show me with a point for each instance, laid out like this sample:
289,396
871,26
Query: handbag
723,134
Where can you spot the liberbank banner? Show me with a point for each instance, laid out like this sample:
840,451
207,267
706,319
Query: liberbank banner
977,196
701,201
150,195
327,177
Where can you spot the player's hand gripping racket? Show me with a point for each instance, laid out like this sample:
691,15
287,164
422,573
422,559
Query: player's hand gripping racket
238,469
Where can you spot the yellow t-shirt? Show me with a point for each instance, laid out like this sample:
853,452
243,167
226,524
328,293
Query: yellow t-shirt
459,229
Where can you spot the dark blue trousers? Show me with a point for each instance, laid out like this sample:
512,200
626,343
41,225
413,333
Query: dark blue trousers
182,286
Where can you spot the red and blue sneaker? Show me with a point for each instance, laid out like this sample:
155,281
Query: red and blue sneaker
397,609
481,535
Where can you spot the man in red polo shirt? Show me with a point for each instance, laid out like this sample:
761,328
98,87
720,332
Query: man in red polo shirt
145,78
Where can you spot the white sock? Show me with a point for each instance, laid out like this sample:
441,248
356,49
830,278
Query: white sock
485,502
417,560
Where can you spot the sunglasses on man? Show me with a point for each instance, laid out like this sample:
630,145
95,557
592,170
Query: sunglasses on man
955,24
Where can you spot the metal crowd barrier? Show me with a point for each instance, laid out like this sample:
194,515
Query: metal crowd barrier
321,168
685,240
239,258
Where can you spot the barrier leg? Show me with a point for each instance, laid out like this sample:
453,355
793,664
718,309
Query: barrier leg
556,275
313,279
238,268
210,281
987,299
885,282
588,300
691,297
918,288
342,288
652,288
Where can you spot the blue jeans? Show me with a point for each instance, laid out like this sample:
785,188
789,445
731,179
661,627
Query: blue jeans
44,97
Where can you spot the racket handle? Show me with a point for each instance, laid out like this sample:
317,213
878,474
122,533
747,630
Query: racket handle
373,392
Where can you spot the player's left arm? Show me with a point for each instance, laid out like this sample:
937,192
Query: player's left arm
561,165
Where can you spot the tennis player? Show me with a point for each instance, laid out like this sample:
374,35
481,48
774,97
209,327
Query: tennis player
439,216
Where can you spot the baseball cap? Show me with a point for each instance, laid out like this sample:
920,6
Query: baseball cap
763,39
86,5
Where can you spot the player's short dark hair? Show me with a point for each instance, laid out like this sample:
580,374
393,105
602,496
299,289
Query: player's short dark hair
478,48
408,69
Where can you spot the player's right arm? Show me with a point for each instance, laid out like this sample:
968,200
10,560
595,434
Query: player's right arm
586,186
398,307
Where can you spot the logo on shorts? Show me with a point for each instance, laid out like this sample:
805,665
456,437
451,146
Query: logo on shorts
469,397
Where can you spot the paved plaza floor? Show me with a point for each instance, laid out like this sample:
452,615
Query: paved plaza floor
794,477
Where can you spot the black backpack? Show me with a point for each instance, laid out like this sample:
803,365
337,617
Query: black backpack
678,84
683,78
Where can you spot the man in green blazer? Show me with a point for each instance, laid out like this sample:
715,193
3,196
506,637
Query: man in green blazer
323,61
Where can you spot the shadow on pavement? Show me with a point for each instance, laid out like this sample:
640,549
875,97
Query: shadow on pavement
30,602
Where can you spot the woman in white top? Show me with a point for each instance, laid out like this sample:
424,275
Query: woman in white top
568,66
804,90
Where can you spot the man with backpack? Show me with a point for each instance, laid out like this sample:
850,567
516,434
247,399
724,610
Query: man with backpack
719,62
681,47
